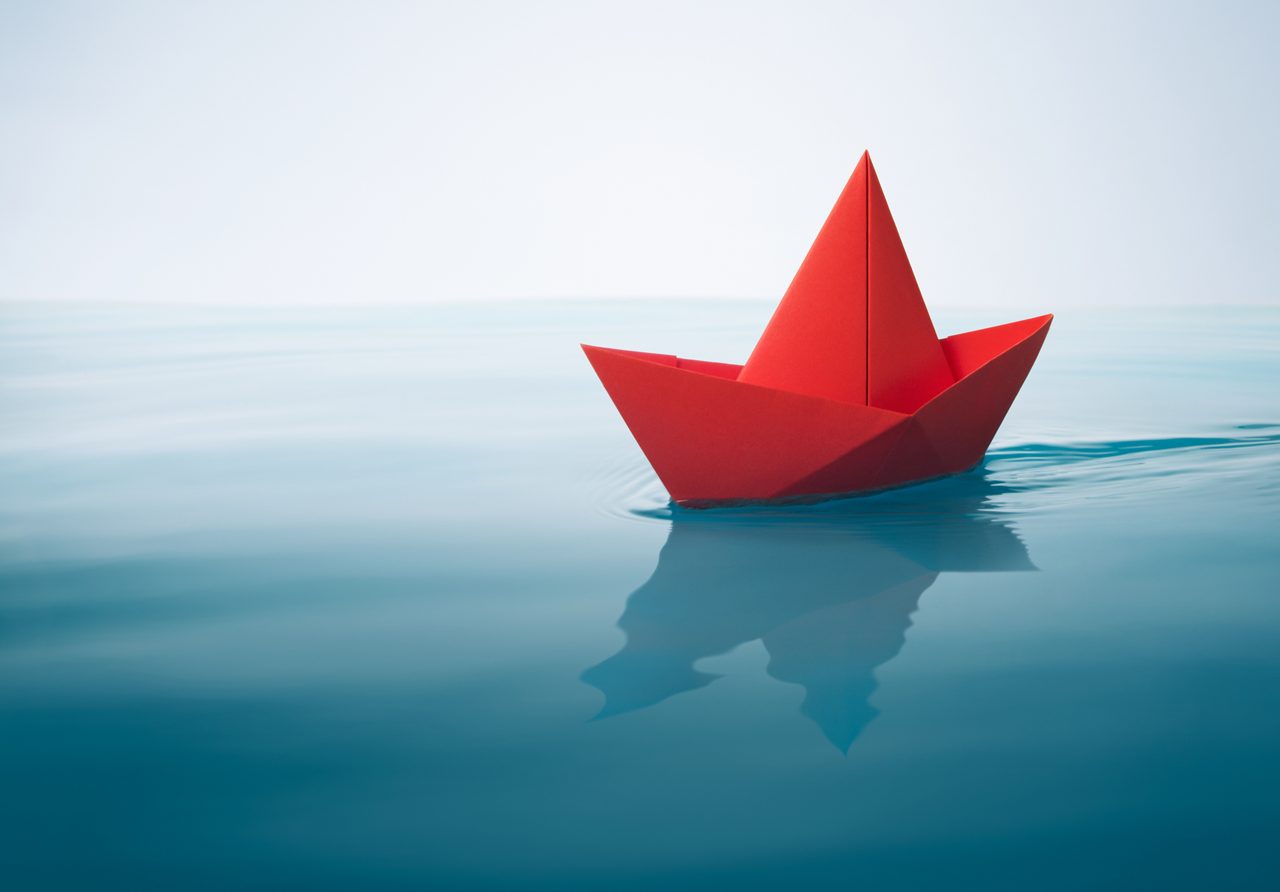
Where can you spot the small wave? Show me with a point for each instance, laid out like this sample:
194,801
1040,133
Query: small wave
630,490
1068,453
1088,470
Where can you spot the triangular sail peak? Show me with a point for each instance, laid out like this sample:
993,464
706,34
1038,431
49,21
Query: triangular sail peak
906,366
853,326
816,342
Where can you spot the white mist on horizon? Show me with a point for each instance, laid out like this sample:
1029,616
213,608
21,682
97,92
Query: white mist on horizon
1046,158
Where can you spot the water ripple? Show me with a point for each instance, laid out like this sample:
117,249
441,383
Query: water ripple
1011,479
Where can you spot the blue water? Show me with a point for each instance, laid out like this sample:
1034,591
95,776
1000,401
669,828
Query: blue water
339,599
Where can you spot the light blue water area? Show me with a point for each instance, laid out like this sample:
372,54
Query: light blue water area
389,599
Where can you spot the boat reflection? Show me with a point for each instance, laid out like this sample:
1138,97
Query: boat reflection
829,589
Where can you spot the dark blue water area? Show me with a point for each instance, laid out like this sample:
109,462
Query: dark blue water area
341,598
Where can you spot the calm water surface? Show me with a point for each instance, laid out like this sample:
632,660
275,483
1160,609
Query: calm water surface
337,599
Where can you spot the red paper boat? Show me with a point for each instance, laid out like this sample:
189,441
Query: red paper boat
849,388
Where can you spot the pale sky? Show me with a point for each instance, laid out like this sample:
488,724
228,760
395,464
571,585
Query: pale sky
1041,155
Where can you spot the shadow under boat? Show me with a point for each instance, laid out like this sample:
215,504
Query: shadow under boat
829,589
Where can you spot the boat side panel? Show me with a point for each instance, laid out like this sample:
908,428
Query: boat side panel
961,422
711,438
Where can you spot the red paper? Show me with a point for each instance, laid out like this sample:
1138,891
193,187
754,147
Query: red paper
847,390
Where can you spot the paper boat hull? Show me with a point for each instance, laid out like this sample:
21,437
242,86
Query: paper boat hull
712,438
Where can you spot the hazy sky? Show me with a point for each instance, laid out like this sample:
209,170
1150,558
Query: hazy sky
1041,155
